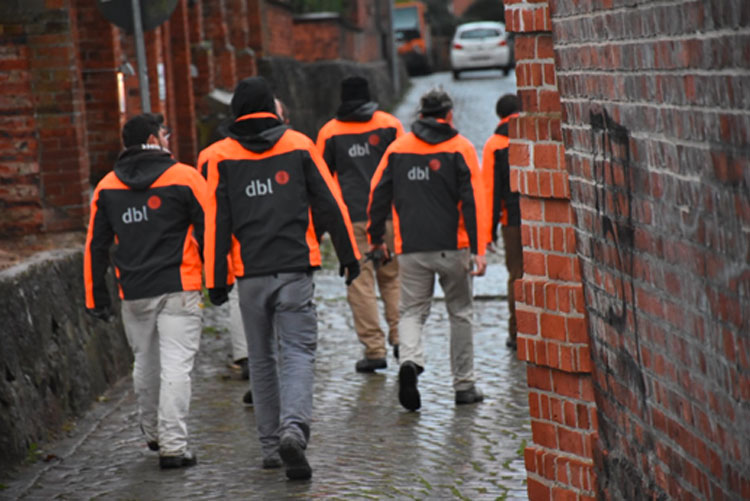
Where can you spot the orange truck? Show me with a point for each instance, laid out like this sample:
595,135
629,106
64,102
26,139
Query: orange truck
412,34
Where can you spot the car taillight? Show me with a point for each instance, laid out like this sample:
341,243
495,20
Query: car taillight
458,46
502,43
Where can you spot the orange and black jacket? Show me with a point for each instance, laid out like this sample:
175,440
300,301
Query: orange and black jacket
502,203
352,145
430,179
266,186
152,208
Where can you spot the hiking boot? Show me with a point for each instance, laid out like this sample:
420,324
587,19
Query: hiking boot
272,462
408,394
470,396
293,455
247,398
183,460
370,364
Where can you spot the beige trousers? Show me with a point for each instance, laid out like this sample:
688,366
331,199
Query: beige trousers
418,270
364,302
514,264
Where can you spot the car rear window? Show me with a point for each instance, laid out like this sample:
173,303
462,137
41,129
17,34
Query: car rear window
480,33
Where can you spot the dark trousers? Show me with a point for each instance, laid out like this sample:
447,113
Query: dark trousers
514,264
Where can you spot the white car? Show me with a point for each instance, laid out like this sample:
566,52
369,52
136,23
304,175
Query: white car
481,45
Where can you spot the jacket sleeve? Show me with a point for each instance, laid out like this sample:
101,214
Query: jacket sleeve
325,146
218,227
329,211
472,196
488,179
197,207
381,197
99,237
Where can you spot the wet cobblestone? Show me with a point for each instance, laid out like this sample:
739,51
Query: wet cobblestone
364,445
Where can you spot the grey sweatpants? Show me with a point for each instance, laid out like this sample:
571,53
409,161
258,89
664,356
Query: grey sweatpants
282,336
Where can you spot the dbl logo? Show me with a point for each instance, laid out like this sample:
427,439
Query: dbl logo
359,150
258,188
418,174
135,215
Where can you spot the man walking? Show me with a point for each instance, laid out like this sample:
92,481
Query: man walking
352,145
269,188
431,177
152,208
502,203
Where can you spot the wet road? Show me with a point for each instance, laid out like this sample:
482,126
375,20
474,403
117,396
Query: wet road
364,445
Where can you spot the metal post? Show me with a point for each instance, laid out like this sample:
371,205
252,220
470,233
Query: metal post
394,54
140,52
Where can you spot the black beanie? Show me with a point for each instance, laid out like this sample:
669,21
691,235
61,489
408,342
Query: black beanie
354,89
252,95
507,105
138,128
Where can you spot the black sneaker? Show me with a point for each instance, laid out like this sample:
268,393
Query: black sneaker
272,462
242,363
470,396
370,364
408,394
247,398
293,455
181,461
511,343
153,445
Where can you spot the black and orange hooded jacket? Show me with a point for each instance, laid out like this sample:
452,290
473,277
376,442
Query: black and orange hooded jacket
152,207
502,203
431,180
266,185
352,145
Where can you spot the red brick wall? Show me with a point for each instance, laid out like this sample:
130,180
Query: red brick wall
318,40
44,176
656,101
552,334
278,29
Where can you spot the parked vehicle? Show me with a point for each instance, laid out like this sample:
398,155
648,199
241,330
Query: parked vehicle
413,38
480,45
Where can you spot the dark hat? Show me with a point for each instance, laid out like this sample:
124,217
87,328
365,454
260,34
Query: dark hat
354,89
138,128
252,95
435,103
507,105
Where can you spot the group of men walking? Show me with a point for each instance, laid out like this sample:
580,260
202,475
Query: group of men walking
399,209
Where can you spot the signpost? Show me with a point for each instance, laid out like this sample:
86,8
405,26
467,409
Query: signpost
138,17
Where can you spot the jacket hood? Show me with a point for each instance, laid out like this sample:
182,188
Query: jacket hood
257,132
140,165
356,111
433,131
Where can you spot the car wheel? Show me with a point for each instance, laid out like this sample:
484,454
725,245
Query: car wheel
455,74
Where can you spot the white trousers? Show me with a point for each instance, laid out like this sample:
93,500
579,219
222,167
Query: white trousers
164,334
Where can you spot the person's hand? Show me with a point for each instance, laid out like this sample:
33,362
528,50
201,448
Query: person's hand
491,247
218,295
103,313
379,255
480,266
351,270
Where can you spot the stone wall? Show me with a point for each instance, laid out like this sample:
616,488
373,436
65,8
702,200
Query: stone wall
55,360
312,90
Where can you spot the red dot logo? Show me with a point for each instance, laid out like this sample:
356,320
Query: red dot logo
282,177
434,164
374,140
154,202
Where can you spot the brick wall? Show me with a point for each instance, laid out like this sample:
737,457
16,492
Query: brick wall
552,335
44,183
656,101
